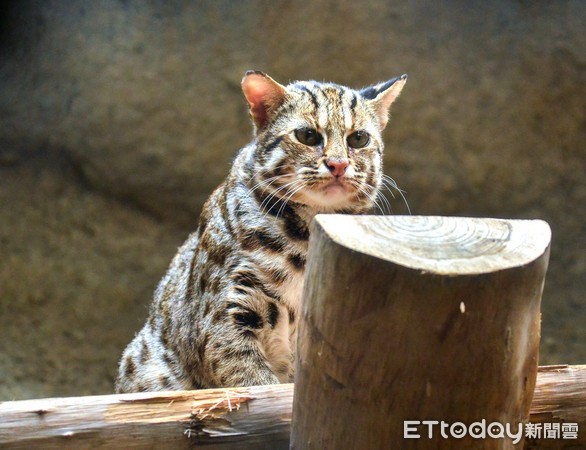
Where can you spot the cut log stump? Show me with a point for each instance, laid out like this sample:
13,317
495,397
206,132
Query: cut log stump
417,319
404,318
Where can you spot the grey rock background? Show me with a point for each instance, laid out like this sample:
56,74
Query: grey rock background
118,118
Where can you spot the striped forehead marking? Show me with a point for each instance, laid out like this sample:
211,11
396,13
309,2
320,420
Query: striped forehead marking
347,99
330,100
306,87
323,113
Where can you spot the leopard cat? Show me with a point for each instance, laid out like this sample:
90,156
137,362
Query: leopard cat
225,312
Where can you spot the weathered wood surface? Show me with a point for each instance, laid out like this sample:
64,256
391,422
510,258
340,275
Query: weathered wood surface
560,397
435,318
258,417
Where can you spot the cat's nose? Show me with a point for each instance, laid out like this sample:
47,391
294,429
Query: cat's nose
337,167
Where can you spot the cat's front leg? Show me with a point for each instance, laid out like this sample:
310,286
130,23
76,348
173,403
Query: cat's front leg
234,348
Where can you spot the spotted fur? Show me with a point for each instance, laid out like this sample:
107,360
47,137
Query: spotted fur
225,313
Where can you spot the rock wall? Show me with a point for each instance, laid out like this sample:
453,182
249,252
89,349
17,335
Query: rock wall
118,118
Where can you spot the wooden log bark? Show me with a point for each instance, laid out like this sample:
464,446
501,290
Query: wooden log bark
417,319
559,398
258,417
214,418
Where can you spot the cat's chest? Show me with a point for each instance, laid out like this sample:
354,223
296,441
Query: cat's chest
291,294
292,290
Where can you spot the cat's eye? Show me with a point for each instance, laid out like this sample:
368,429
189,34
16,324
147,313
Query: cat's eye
308,136
358,139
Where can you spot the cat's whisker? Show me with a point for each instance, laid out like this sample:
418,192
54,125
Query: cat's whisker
264,206
389,183
373,198
385,201
262,184
290,193
265,182
376,196
375,203
263,171
383,205
380,199
274,195
275,192
288,197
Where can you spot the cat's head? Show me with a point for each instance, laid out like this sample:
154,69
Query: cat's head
319,144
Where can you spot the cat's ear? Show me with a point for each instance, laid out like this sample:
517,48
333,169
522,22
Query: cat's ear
383,95
263,94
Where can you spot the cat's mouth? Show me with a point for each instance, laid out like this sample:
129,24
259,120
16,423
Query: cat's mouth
337,186
330,194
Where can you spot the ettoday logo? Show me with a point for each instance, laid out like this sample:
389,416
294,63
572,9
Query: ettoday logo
421,429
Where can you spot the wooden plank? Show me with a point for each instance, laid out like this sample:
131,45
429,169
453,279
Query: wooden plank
258,417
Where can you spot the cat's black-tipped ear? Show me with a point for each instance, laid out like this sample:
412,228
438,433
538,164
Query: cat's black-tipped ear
263,94
383,95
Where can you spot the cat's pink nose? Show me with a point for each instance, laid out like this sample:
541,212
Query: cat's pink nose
337,166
